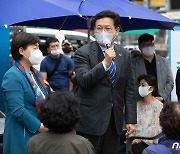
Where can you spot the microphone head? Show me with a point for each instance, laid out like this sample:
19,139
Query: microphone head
107,43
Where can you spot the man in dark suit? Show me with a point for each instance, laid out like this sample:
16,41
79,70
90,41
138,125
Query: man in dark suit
105,85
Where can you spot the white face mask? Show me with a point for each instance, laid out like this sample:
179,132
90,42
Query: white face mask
144,91
35,57
56,52
148,51
104,38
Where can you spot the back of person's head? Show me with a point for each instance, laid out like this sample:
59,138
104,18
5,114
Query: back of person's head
60,111
151,80
145,38
107,13
170,120
50,40
22,40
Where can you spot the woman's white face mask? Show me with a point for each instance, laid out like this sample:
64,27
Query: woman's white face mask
35,57
144,91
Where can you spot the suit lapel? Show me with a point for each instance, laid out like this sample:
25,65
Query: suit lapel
97,52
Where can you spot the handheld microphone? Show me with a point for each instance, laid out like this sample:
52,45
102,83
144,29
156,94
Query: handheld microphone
107,43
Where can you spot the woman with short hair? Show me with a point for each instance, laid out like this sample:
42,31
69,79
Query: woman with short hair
23,90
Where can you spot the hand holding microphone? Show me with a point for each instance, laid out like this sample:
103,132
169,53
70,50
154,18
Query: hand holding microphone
110,54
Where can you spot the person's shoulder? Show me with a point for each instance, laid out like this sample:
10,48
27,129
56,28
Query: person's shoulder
158,104
66,58
36,138
160,58
178,71
137,59
120,48
139,102
155,149
84,140
46,58
85,49
12,72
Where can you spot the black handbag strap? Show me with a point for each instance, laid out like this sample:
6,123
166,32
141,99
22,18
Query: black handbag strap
49,75
129,141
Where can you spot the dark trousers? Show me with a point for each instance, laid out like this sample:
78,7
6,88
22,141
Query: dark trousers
107,143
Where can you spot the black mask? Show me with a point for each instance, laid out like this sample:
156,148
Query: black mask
66,50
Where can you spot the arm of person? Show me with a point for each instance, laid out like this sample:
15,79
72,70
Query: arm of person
43,69
71,78
130,101
178,84
169,83
86,75
71,72
13,93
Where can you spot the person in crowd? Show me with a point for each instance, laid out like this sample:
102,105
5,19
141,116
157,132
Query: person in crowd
104,85
56,68
59,113
170,123
178,84
148,111
150,63
68,49
23,90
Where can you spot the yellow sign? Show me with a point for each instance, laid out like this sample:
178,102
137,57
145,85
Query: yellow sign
152,3
140,2
157,3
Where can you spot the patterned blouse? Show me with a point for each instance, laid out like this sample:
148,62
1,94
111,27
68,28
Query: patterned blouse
148,120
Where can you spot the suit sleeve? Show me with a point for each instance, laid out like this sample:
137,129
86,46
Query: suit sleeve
178,84
169,83
130,97
13,94
86,76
